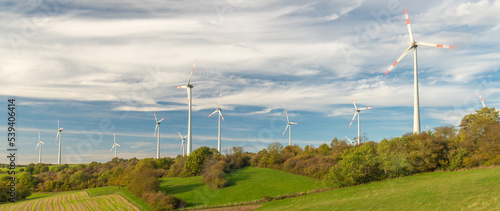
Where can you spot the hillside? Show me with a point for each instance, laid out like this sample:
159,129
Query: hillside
247,184
477,189
106,198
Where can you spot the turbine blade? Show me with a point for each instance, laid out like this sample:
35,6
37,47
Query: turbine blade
42,142
180,134
365,108
481,97
37,145
399,59
155,117
161,119
408,25
178,87
287,116
294,123
352,99
114,138
213,113
220,98
57,136
57,123
112,148
285,130
356,113
154,135
117,145
38,136
436,45
189,81
220,113
348,138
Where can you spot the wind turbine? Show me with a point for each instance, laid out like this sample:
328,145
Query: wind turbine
352,142
188,86
115,145
182,144
480,97
40,150
289,124
157,128
59,134
358,112
220,116
413,46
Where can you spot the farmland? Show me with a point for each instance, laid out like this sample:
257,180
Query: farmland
92,199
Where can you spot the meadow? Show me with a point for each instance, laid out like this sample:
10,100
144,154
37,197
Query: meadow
247,184
477,189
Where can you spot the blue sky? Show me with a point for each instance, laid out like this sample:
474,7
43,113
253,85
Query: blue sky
105,67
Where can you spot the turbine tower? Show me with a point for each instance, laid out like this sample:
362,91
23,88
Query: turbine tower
413,46
220,116
358,112
157,128
289,124
182,143
115,145
188,86
39,150
59,135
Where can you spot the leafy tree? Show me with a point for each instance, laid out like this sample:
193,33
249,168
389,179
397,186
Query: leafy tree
194,162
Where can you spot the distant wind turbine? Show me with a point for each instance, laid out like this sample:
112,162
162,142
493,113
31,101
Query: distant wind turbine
413,46
220,116
188,86
182,144
358,112
352,142
39,150
157,128
289,125
59,134
115,145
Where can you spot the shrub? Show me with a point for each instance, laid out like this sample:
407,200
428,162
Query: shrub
194,162
213,173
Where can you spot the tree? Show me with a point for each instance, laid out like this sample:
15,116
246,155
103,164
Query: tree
194,162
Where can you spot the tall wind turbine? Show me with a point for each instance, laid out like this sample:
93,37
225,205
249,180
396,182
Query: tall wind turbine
220,116
188,86
157,128
39,150
59,135
115,145
413,46
182,144
358,112
289,124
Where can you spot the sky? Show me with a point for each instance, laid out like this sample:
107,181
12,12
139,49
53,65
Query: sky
106,67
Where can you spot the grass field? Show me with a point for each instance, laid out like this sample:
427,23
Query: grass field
106,198
248,184
477,189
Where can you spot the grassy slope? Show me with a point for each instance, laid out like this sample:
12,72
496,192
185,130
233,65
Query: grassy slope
477,189
93,192
248,184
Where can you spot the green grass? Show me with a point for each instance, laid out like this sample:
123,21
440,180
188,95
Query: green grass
477,189
109,190
247,184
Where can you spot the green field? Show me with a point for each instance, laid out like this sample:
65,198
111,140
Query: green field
105,198
248,184
477,189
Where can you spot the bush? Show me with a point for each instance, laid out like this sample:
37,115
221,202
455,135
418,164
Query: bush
159,201
213,173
